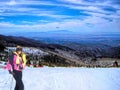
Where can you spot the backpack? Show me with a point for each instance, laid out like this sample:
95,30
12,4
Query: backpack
10,59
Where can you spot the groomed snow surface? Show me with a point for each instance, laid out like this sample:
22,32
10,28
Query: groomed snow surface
59,78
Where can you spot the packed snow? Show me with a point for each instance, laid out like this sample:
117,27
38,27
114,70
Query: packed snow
61,78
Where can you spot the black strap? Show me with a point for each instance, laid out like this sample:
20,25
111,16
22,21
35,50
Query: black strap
11,57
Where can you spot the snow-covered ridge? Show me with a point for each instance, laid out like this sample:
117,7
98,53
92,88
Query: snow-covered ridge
29,50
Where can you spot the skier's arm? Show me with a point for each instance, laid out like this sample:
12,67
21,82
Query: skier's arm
9,66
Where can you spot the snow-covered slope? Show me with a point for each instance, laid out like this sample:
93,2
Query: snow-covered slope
47,78
30,50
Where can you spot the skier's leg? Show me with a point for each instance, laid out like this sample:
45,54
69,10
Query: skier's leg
21,85
15,77
18,78
16,87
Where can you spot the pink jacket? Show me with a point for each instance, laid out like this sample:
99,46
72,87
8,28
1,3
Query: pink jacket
15,66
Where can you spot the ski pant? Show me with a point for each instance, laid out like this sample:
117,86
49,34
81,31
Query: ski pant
18,78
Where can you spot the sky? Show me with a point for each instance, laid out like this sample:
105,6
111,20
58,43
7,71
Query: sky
84,16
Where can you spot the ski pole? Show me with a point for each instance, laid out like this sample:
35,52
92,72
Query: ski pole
11,83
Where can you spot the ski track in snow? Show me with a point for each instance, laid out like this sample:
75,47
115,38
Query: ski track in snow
59,78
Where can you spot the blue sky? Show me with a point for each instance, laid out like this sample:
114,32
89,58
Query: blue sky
84,16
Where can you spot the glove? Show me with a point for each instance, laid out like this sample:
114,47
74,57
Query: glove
19,67
11,72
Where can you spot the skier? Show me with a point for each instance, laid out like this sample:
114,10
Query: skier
115,64
16,63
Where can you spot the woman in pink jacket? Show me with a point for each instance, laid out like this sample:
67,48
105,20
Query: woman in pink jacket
15,65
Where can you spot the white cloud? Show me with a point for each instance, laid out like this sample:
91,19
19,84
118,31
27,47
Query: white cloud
52,15
96,20
26,2
11,2
111,16
73,24
22,6
18,9
90,6
87,3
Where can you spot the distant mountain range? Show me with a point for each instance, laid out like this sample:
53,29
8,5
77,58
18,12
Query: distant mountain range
73,51
65,37
41,34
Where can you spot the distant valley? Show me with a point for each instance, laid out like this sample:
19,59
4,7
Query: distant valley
66,37
72,51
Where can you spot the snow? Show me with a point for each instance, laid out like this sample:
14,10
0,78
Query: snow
61,78
2,64
30,50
